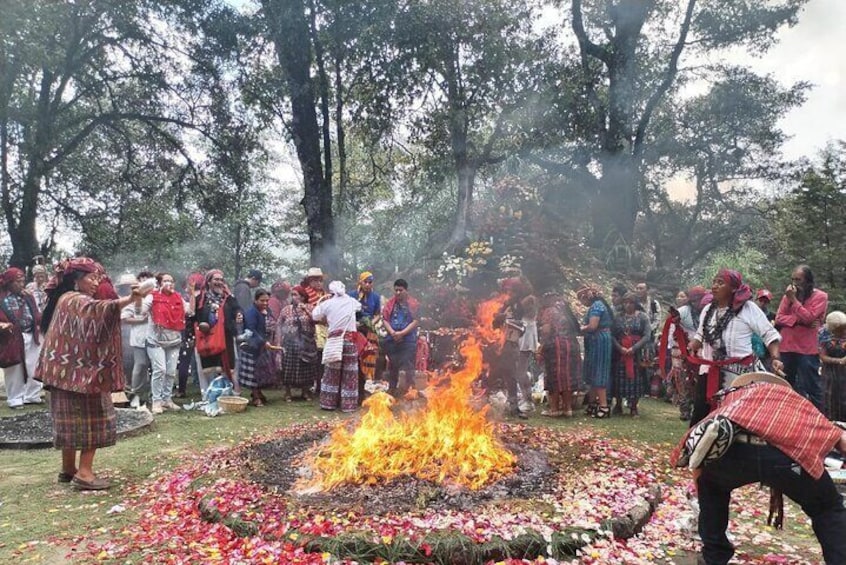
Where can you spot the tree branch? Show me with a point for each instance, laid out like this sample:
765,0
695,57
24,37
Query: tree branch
666,83
586,46
107,117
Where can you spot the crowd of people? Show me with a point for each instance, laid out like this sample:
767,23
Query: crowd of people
326,343
312,341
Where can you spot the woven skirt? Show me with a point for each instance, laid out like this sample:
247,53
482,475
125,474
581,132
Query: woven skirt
82,421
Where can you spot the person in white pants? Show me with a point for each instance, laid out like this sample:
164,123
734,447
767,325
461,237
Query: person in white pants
19,337
138,322
167,311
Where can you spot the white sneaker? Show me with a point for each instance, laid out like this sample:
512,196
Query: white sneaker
136,402
157,407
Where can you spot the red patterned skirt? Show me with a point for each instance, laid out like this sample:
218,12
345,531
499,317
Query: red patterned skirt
339,386
82,421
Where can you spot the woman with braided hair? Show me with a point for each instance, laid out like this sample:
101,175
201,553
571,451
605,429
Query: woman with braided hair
724,339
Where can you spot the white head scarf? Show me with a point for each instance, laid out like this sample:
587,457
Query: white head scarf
337,288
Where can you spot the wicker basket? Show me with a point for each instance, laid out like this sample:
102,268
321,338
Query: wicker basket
232,404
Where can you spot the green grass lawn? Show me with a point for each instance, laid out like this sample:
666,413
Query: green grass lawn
34,507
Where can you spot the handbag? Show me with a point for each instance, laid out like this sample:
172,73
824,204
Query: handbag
164,337
211,343
301,342
308,348
333,350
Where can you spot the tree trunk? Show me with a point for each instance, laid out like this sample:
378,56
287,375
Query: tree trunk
341,137
289,29
466,176
465,168
614,208
23,235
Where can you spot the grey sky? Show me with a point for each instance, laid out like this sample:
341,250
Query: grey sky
812,51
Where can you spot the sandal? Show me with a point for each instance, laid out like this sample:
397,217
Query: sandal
592,409
602,412
65,477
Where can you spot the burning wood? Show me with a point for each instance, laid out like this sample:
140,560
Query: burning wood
448,441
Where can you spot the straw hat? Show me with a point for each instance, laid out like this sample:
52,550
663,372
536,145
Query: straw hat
314,272
761,377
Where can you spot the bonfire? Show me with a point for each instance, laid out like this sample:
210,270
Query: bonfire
450,441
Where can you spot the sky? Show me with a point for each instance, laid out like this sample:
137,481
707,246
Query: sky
812,51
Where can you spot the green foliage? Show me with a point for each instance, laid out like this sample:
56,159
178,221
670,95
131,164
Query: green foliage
750,262
156,129
809,224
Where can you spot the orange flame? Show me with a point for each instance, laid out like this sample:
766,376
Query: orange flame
486,312
447,442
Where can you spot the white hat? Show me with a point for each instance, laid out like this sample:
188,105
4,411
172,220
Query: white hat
314,272
127,278
836,319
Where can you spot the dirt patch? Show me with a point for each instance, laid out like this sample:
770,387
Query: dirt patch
280,463
34,430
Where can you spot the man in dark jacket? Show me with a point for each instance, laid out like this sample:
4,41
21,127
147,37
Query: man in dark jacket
244,288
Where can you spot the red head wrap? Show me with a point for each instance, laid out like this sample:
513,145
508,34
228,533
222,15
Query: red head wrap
10,275
695,294
106,290
299,289
216,273
196,280
83,265
741,293
75,265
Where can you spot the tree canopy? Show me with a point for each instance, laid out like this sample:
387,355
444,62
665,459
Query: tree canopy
387,133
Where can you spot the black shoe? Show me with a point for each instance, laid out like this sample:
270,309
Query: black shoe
602,413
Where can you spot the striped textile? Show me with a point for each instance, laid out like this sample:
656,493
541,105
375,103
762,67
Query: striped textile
339,387
247,369
82,421
82,349
782,418
369,354
562,364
